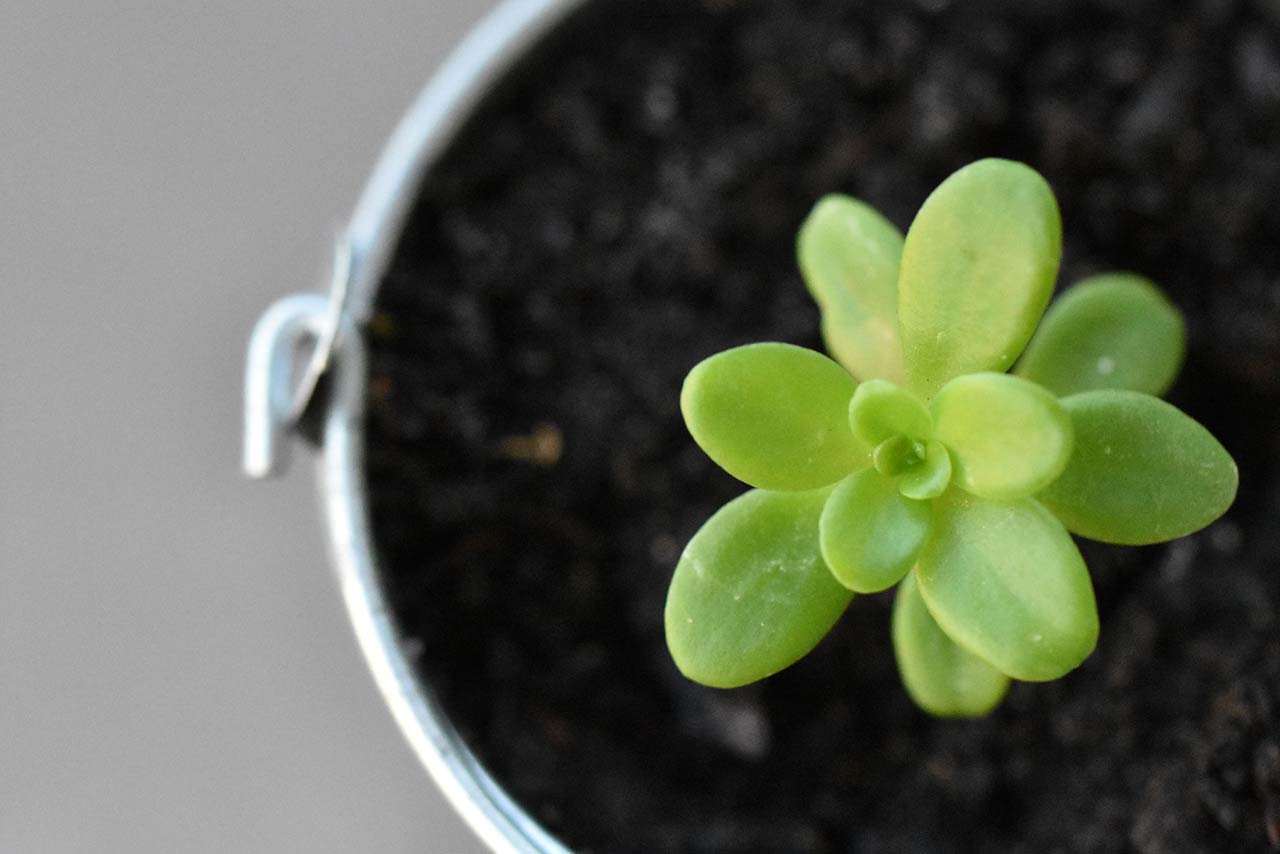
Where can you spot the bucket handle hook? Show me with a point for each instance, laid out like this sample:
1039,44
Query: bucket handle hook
279,386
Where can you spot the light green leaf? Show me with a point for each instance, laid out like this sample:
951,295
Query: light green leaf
870,533
751,594
774,416
941,676
1142,471
895,455
1009,438
930,477
978,267
1110,331
880,410
849,258
1005,581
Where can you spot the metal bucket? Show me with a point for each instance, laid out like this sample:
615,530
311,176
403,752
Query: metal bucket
306,338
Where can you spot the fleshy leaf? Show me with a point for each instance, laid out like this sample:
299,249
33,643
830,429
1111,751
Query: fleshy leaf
895,455
978,268
942,677
870,533
880,410
1142,471
930,477
1005,581
1111,331
774,416
1009,438
751,595
849,256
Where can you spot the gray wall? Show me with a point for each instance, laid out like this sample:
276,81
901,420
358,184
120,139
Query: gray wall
176,672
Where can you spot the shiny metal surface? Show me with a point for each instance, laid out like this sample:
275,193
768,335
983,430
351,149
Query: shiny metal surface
276,392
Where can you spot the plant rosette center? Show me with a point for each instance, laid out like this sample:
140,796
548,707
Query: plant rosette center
939,472
992,435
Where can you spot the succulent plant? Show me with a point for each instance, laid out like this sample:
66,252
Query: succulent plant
912,459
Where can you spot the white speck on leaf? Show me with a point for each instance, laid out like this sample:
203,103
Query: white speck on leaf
1106,366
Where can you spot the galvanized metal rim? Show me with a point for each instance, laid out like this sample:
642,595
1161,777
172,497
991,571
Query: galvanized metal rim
275,400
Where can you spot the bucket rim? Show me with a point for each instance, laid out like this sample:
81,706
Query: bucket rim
447,102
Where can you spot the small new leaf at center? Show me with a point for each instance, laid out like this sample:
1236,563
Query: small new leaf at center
930,477
881,410
894,456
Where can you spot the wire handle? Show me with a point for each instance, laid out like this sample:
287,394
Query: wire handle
278,385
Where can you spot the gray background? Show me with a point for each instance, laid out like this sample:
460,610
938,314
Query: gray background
177,674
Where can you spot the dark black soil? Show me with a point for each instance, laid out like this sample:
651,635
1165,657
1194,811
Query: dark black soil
626,207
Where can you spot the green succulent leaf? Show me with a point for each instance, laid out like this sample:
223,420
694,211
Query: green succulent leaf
1110,331
774,416
1005,581
942,677
870,533
881,410
1009,438
895,455
751,595
930,477
978,267
1142,471
849,256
